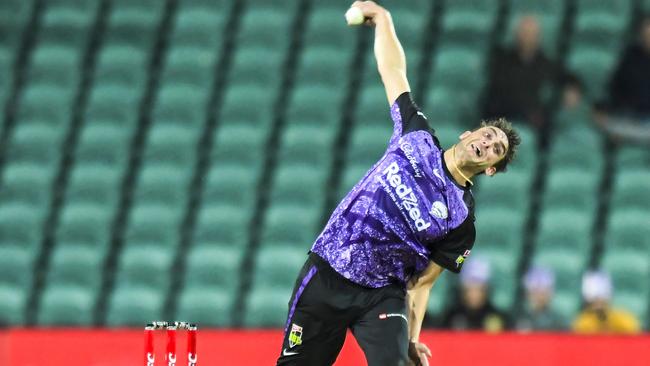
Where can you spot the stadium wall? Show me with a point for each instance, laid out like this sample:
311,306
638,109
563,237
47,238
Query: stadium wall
54,347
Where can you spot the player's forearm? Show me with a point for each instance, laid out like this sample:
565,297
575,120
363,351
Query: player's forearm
391,61
388,50
418,296
417,306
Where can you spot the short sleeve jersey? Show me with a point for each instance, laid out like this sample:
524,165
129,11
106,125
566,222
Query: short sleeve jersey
405,211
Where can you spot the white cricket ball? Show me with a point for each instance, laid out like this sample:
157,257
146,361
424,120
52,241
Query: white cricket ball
354,16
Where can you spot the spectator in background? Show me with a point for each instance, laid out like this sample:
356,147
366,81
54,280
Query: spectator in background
540,283
519,78
598,316
627,113
475,311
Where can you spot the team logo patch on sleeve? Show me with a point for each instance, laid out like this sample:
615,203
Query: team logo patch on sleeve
295,337
461,258
439,210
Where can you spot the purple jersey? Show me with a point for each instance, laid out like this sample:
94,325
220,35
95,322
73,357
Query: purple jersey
406,211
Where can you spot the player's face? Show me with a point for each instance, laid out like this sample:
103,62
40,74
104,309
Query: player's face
483,148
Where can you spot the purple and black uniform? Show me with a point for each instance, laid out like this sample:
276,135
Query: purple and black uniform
406,211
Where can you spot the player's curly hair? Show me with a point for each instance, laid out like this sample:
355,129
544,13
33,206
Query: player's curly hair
513,141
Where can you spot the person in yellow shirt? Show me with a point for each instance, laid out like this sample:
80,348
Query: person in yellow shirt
598,316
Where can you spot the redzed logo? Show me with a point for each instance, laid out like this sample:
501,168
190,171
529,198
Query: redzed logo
191,359
150,359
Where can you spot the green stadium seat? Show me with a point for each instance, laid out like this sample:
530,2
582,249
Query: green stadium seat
17,266
104,145
351,175
35,143
264,26
121,64
568,269
173,145
290,226
321,66
253,66
458,68
28,184
85,226
103,99
500,230
628,229
163,184
632,157
578,148
561,229
134,23
447,135
199,26
308,145
631,189
316,105
76,265
14,15
449,106
205,306
273,279
236,108
215,267
468,24
267,307
503,285
593,66
190,65
605,30
368,143
626,268
222,225
299,184
56,65
146,265
67,22
97,184
231,184
66,305
45,104
572,189
13,304
240,144
153,225
134,306
181,105
325,28
511,190
372,109
19,227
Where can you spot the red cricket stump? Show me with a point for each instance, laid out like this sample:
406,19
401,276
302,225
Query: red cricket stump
191,346
170,349
170,356
149,357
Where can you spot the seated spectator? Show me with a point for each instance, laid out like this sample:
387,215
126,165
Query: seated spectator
475,311
539,283
598,316
626,115
520,76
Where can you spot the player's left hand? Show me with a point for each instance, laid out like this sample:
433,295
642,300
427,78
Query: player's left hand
418,353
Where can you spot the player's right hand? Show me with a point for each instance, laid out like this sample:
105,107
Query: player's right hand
370,10
418,353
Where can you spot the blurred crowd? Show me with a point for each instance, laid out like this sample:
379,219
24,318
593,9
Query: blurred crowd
522,79
475,310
